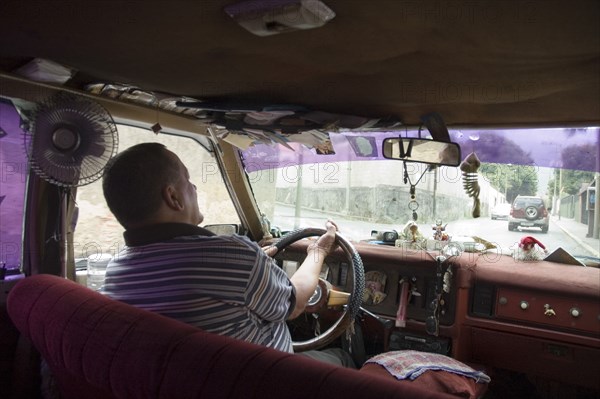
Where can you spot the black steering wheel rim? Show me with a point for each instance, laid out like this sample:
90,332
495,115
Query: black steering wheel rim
357,275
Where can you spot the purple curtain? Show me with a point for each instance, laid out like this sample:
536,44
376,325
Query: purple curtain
13,177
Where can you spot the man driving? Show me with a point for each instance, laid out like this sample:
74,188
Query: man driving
227,285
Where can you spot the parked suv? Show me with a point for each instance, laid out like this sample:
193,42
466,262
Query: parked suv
528,212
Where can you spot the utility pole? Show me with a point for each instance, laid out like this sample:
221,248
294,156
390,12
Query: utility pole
505,186
554,196
560,173
508,171
596,233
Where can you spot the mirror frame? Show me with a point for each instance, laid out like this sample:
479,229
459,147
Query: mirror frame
400,153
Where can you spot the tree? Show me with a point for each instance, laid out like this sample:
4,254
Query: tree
512,180
580,157
574,157
571,181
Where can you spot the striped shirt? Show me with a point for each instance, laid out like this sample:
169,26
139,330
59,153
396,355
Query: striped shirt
222,284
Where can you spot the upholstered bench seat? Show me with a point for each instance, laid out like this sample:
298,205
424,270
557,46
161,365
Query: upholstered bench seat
97,347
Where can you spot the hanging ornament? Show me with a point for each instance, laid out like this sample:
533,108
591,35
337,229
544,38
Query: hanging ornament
413,206
469,169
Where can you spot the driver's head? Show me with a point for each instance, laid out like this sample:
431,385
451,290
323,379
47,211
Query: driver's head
148,184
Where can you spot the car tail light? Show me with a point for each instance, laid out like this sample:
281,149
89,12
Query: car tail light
545,213
512,212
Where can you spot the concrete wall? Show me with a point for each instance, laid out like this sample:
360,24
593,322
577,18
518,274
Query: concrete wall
362,194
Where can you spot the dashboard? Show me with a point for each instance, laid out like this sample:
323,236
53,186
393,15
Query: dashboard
387,272
539,318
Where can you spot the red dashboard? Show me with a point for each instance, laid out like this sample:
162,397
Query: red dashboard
538,318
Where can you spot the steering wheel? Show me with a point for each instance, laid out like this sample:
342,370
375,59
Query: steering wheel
325,295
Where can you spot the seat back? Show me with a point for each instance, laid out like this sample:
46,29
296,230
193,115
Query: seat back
97,347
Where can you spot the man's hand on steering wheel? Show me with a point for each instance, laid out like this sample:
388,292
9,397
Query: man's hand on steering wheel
270,250
326,243
318,293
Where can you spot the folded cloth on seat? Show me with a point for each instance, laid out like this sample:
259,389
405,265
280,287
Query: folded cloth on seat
410,364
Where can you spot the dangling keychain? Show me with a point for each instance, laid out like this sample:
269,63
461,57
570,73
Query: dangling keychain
413,206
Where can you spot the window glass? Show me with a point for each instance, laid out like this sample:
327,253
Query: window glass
525,202
13,178
97,229
554,170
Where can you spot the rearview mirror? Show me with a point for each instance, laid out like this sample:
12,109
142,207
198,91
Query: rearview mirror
422,150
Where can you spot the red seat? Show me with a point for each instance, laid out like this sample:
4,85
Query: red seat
100,348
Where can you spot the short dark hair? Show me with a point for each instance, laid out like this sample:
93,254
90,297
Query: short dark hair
133,181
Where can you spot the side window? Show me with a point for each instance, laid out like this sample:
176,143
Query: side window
97,231
13,179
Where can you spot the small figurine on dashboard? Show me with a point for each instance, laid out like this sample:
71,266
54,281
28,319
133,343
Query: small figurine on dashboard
374,292
529,249
411,236
439,233
411,232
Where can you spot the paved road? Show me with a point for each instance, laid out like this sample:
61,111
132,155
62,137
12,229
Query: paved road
495,231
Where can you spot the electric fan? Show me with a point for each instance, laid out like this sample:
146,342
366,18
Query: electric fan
71,140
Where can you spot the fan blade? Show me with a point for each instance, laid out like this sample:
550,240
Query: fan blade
73,139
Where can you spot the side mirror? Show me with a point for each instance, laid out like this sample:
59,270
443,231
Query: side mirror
223,229
422,150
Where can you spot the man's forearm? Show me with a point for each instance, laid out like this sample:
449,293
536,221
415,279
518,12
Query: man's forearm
306,278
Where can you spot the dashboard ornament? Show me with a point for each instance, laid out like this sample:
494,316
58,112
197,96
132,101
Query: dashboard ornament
447,287
374,292
411,237
443,279
439,231
548,311
529,249
404,298
413,205
451,251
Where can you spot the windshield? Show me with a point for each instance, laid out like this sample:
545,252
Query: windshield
550,173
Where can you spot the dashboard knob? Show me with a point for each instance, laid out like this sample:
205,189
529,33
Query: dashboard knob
575,312
524,305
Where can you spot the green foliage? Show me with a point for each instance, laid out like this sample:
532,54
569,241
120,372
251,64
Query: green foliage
511,179
571,181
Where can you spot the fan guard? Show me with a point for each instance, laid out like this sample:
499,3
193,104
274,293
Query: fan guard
71,141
